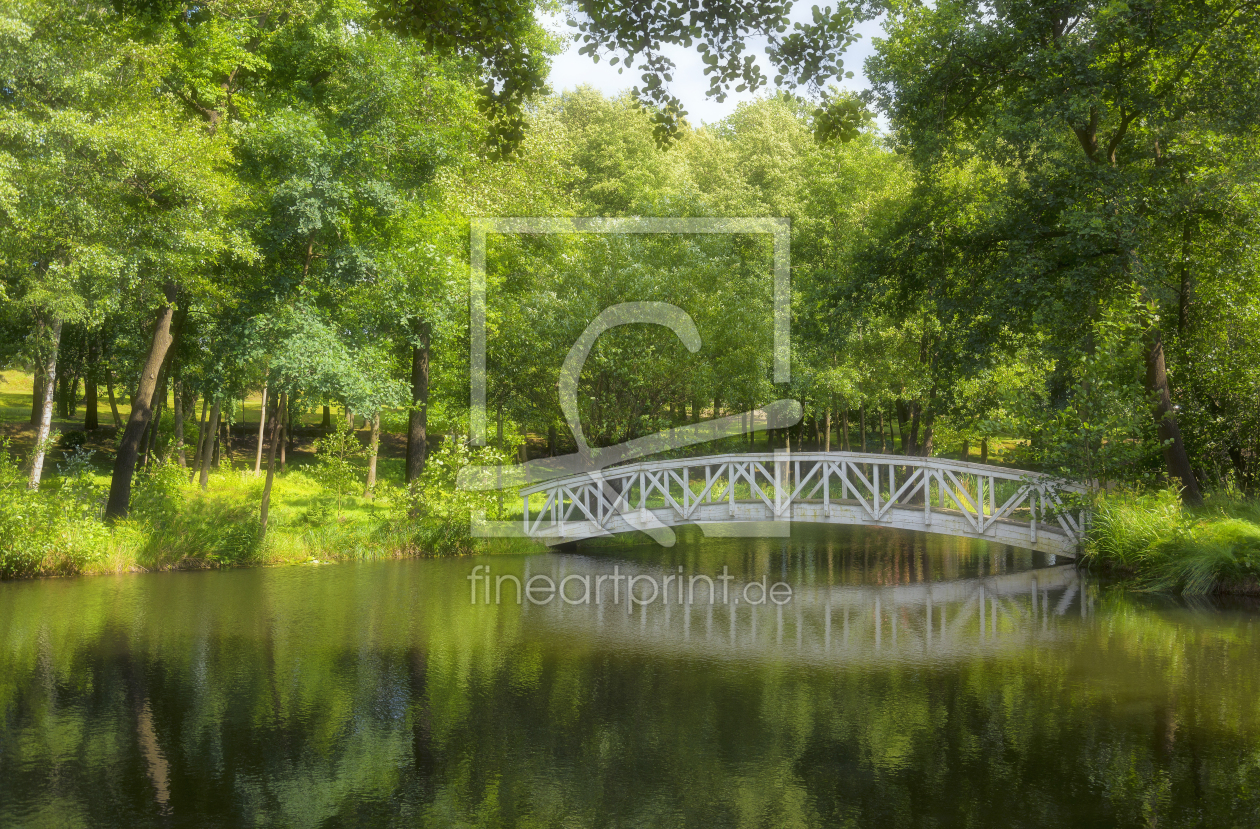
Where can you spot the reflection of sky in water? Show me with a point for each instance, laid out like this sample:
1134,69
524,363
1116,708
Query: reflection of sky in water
375,694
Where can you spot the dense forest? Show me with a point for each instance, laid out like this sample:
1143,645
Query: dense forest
235,252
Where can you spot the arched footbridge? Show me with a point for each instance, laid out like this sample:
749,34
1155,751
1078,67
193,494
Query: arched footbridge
762,494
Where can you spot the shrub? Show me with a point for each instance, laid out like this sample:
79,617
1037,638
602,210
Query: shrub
1168,547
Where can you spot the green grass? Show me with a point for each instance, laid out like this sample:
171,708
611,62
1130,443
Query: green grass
1155,543
176,525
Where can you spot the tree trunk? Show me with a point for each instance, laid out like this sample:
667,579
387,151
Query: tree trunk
326,425
827,443
59,396
201,436
262,422
418,417
212,437
155,422
284,433
984,450
49,371
883,443
178,410
844,430
1176,459
113,404
276,420
915,410
225,446
551,440
862,418
125,461
91,411
350,418
374,444
903,418
37,395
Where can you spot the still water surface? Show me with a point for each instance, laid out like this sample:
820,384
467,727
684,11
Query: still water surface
910,682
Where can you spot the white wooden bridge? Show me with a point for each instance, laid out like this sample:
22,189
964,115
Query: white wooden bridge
762,494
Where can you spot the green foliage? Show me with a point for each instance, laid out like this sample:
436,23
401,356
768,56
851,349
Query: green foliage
1168,547
160,491
43,532
335,466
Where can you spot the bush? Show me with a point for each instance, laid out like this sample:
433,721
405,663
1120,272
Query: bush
70,441
48,531
159,491
1166,547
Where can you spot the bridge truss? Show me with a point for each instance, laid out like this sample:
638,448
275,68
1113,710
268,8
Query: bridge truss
768,491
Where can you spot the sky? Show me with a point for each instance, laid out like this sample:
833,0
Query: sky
570,70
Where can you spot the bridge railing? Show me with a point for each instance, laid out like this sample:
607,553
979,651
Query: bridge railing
792,485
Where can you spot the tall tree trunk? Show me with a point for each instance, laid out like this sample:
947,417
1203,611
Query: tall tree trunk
262,422
915,410
91,411
903,418
418,417
551,441
141,410
49,371
37,395
212,437
285,428
883,443
862,417
326,425
201,437
844,430
374,444
276,436
984,450
113,404
827,444
62,395
225,446
1176,459
178,403
155,423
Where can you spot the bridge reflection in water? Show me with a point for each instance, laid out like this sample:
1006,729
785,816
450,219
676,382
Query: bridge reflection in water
925,621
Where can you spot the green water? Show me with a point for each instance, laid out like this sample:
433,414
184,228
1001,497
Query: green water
908,682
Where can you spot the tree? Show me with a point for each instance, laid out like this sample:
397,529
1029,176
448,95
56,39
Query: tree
1024,83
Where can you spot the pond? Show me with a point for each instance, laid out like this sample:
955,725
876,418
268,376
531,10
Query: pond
903,681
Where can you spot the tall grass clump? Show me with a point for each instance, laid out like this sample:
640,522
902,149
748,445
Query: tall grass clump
1161,545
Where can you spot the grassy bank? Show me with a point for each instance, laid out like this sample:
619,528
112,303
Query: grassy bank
1154,543
174,524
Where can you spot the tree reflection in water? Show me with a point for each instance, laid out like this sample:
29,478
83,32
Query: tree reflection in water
375,694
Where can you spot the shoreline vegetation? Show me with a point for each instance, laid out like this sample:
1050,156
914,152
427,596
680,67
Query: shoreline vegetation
1152,541
1147,541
